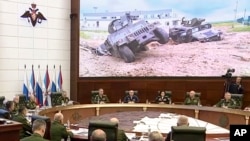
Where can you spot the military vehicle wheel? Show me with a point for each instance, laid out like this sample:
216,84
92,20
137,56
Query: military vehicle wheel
126,54
110,27
189,36
144,48
162,35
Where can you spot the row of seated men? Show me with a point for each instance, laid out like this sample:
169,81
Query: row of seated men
191,99
182,126
36,131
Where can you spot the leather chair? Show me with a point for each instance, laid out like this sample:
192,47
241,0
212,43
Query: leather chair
110,128
56,98
93,95
238,98
127,92
188,133
197,94
22,100
4,114
2,98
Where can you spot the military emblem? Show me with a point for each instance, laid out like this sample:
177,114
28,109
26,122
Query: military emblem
33,15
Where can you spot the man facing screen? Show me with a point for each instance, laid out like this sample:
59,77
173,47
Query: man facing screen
131,97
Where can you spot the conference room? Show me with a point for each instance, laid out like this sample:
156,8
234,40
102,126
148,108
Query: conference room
64,52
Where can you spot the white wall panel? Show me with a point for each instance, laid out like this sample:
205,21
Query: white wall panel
59,44
8,18
8,53
8,42
8,64
26,43
8,6
8,30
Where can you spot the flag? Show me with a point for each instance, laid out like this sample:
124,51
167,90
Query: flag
53,86
46,84
39,92
25,84
32,81
60,80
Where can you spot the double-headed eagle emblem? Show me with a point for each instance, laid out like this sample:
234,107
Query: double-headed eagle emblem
33,15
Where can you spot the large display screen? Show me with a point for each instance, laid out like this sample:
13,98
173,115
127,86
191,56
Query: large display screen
163,38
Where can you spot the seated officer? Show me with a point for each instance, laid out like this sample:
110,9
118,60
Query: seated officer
16,104
57,130
65,98
38,128
162,98
191,99
21,117
31,103
121,136
226,102
10,106
101,98
131,98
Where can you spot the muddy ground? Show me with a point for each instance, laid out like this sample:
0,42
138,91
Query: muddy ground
187,59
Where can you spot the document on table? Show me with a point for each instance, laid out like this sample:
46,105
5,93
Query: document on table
80,131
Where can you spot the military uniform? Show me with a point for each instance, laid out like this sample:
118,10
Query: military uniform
25,125
133,99
121,135
230,103
100,99
164,99
31,104
192,101
65,100
16,107
34,137
58,131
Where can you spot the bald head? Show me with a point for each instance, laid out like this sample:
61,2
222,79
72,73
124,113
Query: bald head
98,135
155,136
192,93
58,117
114,120
182,121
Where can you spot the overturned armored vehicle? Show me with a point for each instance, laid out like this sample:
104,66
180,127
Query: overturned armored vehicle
194,30
127,38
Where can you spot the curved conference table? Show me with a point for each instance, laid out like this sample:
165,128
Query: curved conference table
218,116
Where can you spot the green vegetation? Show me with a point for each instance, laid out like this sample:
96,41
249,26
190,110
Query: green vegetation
234,27
84,35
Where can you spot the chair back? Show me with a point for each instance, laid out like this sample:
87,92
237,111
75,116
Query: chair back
197,94
188,133
4,114
22,100
238,98
93,95
2,98
56,98
110,128
127,92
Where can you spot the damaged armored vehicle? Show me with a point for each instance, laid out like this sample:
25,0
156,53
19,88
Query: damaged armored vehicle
194,30
126,38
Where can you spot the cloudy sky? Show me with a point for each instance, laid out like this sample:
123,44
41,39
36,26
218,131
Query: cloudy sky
212,10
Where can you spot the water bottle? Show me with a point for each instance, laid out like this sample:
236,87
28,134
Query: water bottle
149,130
68,124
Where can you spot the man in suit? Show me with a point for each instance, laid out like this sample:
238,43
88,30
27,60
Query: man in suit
192,99
26,126
155,136
236,87
182,121
131,98
121,134
98,135
38,128
58,131
31,103
226,102
101,98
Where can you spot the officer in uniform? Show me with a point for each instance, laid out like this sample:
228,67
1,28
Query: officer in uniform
101,98
121,136
226,102
65,99
26,126
191,99
31,103
16,105
131,98
57,130
162,98
38,127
